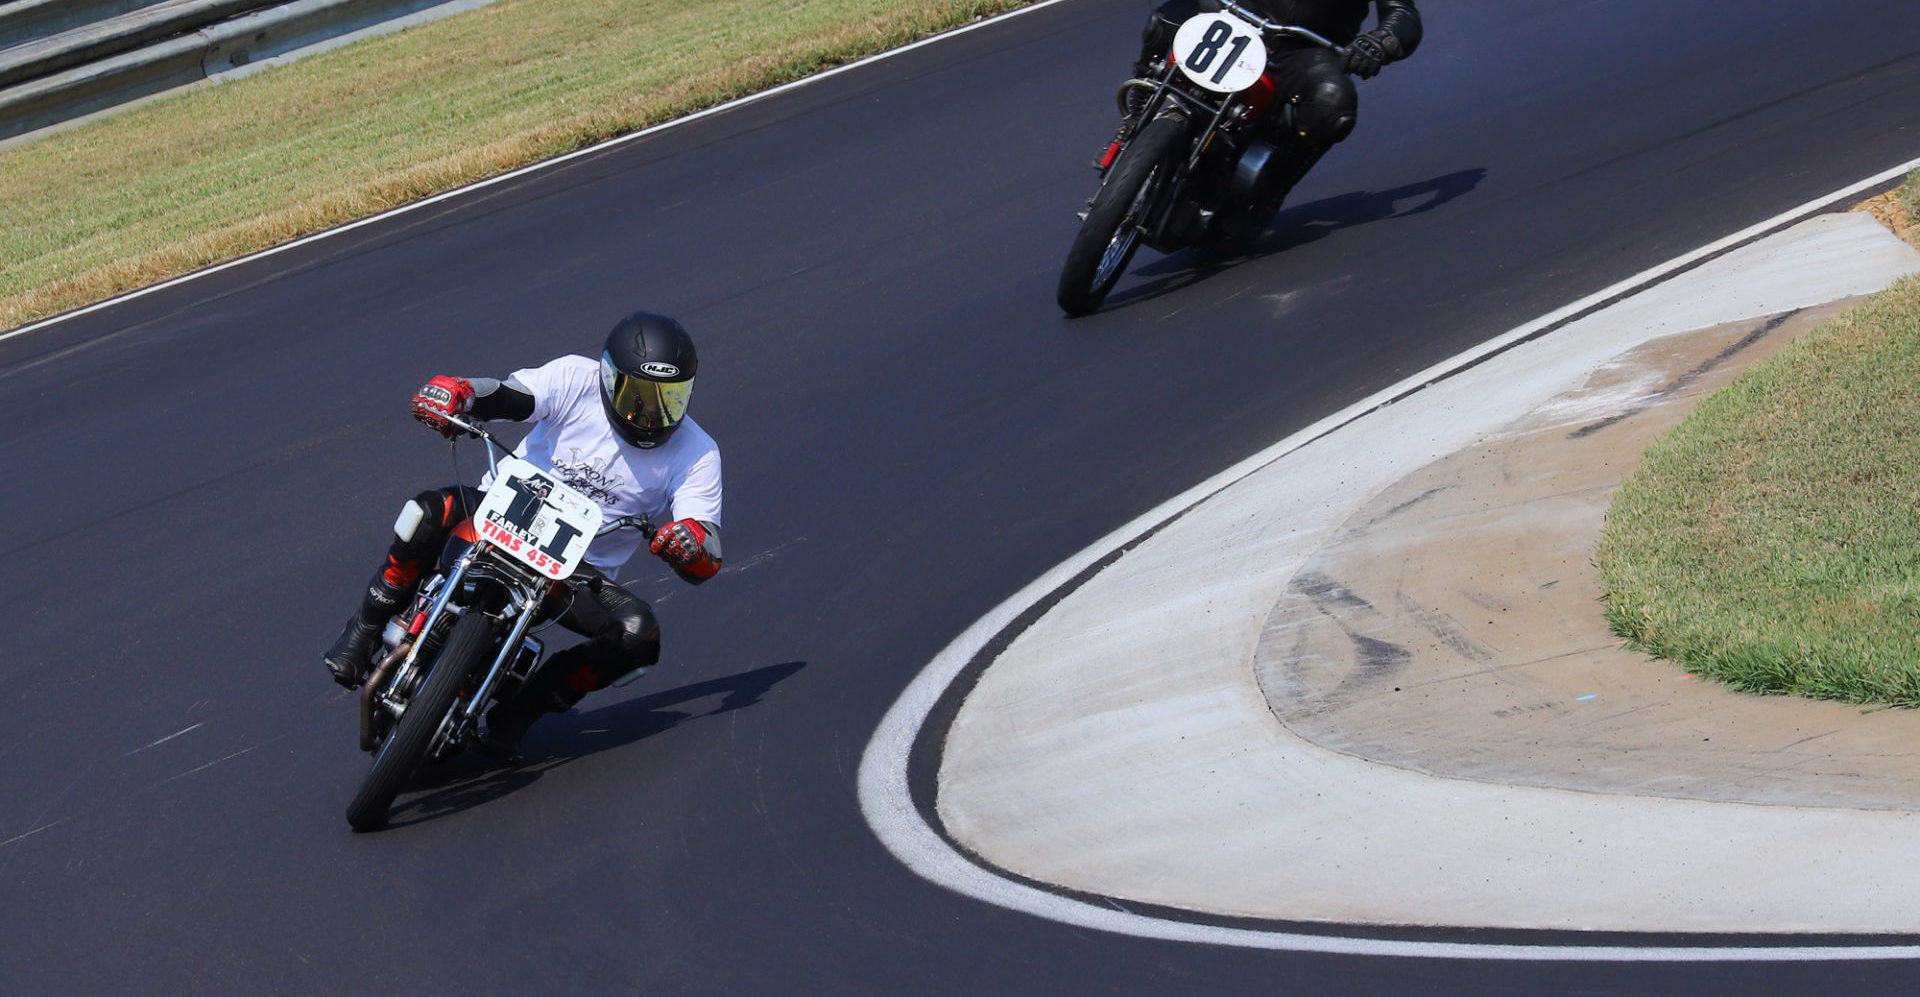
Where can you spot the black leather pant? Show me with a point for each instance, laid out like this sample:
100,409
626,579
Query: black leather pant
621,633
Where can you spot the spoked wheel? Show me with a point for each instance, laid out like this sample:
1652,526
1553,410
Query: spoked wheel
400,754
1111,233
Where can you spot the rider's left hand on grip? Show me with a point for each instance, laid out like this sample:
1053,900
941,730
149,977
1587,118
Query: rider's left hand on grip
683,544
1370,51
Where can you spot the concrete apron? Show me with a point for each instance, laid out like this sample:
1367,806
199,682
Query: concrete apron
1499,667
1353,686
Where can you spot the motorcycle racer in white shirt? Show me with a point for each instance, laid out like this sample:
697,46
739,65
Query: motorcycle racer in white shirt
618,432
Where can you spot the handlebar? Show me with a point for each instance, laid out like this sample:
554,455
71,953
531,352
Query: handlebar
479,431
641,523
1275,28
470,428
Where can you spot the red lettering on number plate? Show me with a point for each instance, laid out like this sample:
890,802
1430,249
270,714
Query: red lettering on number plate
534,555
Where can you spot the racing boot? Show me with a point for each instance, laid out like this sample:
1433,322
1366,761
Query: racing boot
1244,228
507,722
351,657
556,687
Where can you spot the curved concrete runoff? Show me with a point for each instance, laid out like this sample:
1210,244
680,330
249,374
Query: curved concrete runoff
1365,682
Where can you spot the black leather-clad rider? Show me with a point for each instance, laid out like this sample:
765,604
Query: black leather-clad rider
615,429
1315,81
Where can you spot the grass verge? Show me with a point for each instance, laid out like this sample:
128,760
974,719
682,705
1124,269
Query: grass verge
1772,540
221,171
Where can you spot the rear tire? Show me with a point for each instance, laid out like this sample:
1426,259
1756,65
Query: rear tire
400,754
1110,235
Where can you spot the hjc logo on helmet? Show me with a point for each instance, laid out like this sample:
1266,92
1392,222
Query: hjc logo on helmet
657,369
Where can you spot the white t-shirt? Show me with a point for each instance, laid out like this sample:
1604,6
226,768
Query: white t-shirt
679,479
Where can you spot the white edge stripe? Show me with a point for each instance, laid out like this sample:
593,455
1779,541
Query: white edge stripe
522,171
888,807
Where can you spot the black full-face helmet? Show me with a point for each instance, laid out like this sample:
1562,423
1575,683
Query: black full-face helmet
646,377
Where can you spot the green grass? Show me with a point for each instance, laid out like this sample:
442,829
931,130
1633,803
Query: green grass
221,171
1772,540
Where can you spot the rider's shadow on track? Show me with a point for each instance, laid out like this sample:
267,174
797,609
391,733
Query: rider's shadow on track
1296,226
468,781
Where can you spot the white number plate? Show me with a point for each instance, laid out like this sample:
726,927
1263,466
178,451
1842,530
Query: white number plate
1220,52
537,519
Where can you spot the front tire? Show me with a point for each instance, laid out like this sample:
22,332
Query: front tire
400,754
1111,233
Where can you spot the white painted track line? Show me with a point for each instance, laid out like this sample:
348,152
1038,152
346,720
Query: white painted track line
1606,861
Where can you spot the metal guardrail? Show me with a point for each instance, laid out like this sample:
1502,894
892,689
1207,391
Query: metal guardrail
26,20
146,51
122,33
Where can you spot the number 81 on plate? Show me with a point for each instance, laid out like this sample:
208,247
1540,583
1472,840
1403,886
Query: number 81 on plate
1220,52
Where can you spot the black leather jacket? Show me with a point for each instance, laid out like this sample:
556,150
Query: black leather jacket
1340,20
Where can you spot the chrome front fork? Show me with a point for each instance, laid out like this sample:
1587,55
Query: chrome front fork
465,716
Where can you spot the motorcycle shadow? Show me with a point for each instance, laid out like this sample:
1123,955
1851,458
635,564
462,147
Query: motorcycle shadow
1296,226
469,780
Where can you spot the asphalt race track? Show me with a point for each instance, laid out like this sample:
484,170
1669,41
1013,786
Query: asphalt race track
198,480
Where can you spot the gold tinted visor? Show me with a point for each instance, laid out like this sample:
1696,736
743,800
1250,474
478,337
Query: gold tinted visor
642,403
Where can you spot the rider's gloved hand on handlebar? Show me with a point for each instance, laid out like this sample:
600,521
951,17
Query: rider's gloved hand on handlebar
689,548
1368,52
441,397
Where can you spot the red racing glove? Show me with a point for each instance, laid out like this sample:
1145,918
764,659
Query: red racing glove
441,397
684,544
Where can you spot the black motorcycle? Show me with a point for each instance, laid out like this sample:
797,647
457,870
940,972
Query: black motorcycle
1191,161
465,642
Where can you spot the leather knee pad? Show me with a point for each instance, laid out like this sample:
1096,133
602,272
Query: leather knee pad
412,517
635,635
1327,111
426,519
1157,38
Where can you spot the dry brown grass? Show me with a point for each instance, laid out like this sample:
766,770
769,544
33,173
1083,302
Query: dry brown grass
223,171
1898,209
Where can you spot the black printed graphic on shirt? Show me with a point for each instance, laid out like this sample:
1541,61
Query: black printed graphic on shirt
590,476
